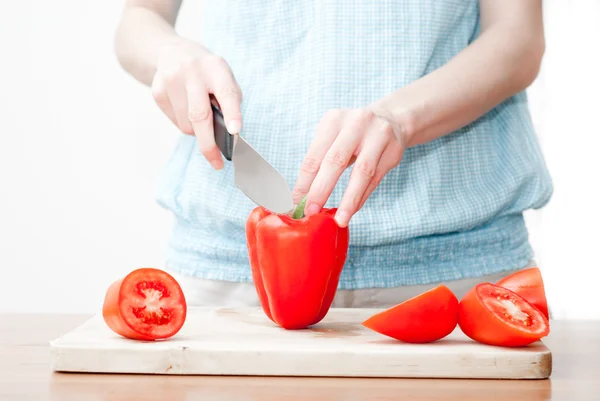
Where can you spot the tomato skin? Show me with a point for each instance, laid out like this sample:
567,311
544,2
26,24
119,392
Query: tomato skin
479,322
428,317
528,283
127,305
112,314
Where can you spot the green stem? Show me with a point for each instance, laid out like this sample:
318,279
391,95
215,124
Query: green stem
299,211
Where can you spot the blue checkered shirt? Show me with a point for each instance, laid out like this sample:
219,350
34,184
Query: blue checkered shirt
453,207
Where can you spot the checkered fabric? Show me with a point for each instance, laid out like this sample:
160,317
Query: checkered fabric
453,207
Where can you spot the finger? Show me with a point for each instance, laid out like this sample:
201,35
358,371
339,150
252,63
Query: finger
389,160
334,163
201,118
327,131
362,175
159,93
227,92
178,98
229,96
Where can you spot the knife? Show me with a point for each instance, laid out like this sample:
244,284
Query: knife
253,175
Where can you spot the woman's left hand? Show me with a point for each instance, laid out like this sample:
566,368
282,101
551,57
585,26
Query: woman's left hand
375,145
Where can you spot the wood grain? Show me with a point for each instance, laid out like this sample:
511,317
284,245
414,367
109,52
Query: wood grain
25,374
243,341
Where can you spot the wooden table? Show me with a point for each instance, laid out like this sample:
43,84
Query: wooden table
25,375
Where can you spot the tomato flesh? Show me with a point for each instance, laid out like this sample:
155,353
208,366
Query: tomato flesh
495,315
151,312
425,318
528,283
147,304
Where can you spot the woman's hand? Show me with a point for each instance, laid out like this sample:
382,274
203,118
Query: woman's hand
374,143
186,74
503,60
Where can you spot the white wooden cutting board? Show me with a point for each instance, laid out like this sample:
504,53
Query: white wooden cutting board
243,341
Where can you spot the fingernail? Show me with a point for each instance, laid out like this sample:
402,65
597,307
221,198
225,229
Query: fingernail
342,218
216,164
234,126
311,209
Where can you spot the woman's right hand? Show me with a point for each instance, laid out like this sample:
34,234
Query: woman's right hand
186,74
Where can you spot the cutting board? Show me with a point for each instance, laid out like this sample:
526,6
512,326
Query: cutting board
243,341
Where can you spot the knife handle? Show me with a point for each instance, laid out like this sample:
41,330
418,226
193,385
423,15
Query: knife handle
223,138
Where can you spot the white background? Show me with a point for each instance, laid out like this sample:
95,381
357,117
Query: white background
81,144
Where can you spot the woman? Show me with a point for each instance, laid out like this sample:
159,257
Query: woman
409,116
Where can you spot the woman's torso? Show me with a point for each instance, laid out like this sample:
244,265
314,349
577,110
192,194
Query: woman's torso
451,209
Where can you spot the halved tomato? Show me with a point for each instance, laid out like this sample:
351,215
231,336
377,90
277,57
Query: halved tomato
494,315
147,304
528,283
427,317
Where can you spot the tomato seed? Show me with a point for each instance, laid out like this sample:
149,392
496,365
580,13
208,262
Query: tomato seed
158,317
143,287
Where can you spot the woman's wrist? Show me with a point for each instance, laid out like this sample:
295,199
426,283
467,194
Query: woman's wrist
402,118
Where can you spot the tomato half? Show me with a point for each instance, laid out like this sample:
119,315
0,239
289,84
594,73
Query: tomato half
147,304
494,315
528,283
427,317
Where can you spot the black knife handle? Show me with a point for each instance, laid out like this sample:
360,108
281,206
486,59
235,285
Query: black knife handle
223,138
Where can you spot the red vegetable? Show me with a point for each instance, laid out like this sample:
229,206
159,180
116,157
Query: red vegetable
296,263
528,283
147,304
427,317
495,315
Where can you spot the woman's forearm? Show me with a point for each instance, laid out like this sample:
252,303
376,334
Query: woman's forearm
145,26
503,61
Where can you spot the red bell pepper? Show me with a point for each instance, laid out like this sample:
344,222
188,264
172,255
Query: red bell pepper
296,263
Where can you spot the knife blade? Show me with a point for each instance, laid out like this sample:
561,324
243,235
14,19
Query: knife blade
253,175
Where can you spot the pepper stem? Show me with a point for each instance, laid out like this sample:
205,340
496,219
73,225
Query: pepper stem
299,210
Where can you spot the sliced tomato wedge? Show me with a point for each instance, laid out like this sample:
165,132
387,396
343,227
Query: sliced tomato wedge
528,283
495,315
425,318
147,304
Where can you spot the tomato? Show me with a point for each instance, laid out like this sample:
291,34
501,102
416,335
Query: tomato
147,304
494,315
427,317
528,284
